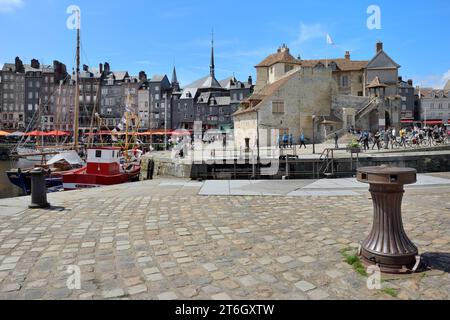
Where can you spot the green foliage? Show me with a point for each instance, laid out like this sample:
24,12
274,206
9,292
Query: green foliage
390,291
354,261
354,144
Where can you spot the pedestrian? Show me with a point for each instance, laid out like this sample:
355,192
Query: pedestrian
285,140
302,140
376,140
366,140
291,141
403,137
336,140
386,139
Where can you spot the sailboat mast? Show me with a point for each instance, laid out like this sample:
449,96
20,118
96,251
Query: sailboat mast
77,89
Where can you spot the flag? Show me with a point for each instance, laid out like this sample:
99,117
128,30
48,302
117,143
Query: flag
330,40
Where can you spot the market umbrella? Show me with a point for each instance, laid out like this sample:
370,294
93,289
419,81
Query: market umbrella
16,134
36,134
180,133
57,133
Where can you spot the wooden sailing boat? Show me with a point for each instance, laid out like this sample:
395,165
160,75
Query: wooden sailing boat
104,164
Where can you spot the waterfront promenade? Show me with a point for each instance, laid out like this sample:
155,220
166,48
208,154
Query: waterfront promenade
179,239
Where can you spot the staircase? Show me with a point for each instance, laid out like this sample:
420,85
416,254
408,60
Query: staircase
329,167
371,105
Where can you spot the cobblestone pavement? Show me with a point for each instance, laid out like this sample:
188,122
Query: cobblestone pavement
152,240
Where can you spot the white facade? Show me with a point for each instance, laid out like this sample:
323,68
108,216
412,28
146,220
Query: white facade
435,105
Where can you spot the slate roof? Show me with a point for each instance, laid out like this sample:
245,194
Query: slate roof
191,91
120,75
158,78
211,83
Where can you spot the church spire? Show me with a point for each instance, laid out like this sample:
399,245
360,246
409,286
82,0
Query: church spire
174,76
212,66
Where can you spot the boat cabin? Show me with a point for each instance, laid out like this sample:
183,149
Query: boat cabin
103,161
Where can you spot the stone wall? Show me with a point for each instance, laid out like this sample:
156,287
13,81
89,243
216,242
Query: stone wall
164,167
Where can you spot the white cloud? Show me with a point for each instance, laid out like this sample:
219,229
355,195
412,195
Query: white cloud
8,6
433,80
309,32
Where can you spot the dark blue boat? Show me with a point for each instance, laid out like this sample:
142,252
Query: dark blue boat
22,179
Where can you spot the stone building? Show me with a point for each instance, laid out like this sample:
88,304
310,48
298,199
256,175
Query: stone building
160,91
144,104
28,94
89,88
12,96
406,92
365,94
435,106
294,103
64,101
210,101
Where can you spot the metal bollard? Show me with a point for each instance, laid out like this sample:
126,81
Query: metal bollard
38,189
388,246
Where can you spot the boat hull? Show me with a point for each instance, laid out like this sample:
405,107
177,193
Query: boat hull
22,179
82,180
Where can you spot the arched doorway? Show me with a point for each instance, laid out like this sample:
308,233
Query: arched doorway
374,122
388,120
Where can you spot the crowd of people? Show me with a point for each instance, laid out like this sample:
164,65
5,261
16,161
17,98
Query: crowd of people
405,137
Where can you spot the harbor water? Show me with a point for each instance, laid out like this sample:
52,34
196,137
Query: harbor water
7,189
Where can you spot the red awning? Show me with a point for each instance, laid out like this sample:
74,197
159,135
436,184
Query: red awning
407,121
433,122
181,133
36,134
57,133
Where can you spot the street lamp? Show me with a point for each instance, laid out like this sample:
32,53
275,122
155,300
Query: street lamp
314,133
165,122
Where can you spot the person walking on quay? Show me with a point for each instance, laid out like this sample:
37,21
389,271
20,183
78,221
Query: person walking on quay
291,141
336,140
365,140
302,140
403,137
386,139
376,140
285,140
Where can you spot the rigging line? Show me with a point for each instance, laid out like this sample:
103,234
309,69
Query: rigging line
38,110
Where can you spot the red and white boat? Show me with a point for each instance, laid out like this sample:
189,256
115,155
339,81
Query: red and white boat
103,168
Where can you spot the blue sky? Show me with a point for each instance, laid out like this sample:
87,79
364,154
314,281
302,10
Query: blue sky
152,35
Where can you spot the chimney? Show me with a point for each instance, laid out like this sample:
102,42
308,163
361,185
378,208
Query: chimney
35,64
347,55
379,46
100,68
19,65
142,76
107,68
250,80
